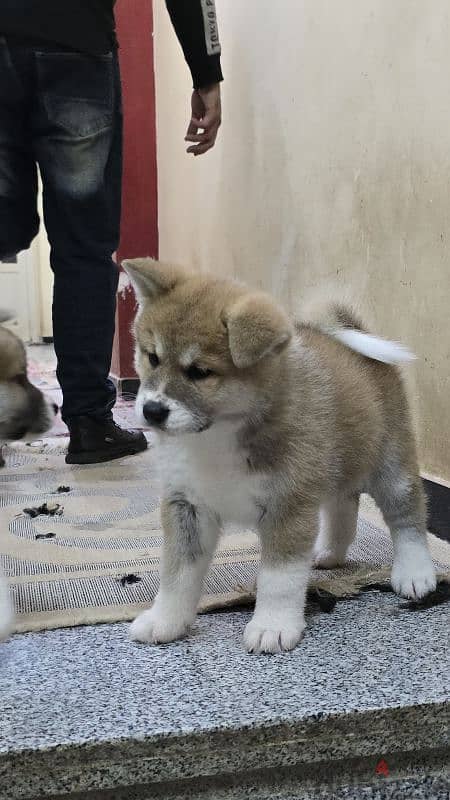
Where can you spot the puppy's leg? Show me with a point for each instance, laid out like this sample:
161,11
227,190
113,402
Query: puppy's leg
402,502
278,622
190,538
6,615
338,519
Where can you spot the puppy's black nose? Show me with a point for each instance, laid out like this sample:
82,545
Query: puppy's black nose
55,408
155,413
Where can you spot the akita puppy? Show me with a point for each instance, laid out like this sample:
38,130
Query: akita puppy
274,424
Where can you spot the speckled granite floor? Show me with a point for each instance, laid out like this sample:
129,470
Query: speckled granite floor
86,709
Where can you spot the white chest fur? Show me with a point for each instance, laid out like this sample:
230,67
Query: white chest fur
210,469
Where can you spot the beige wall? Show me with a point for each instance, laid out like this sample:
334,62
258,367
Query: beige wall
333,165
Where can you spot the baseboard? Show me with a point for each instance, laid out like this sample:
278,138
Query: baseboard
438,495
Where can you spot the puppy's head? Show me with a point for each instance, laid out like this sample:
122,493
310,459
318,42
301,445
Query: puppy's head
206,350
24,410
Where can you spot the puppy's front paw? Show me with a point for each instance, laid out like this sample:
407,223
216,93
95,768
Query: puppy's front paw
259,638
156,627
414,580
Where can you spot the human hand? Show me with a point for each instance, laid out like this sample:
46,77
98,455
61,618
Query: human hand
205,120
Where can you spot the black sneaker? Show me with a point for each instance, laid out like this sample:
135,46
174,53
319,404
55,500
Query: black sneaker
93,441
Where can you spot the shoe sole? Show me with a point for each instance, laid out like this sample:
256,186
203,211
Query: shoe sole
101,456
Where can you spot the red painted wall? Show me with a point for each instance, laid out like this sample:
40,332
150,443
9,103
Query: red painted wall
139,228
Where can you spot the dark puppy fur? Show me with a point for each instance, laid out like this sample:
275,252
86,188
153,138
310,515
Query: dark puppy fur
24,413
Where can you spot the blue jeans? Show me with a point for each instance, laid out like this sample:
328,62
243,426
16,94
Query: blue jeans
62,110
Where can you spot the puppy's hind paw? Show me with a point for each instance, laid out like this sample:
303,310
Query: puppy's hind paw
414,580
327,559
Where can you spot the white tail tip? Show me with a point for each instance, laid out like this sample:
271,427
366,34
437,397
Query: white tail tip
373,347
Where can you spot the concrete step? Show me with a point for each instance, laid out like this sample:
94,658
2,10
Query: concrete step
87,713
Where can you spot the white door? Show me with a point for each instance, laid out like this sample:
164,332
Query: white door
26,285
19,293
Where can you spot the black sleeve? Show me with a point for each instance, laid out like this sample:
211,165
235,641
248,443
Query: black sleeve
195,24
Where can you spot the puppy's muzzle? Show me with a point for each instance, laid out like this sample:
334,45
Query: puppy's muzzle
155,413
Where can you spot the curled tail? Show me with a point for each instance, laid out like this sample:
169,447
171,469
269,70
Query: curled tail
342,323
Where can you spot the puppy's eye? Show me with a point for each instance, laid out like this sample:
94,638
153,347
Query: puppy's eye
154,360
195,373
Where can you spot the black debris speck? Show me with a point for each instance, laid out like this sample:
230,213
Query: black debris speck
325,600
45,536
46,509
377,587
129,579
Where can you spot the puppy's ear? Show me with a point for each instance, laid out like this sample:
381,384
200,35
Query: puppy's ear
256,327
152,278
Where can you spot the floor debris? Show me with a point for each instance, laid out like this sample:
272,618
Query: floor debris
45,536
377,587
325,600
436,598
129,579
46,509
